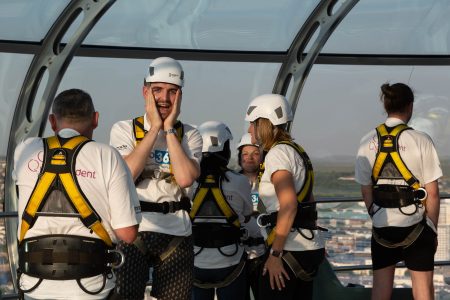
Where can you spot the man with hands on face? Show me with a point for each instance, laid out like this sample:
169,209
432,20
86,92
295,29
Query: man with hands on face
164,156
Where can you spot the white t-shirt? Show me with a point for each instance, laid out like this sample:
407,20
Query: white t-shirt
419,155
285,157
237,193
159,190
252,227
105,180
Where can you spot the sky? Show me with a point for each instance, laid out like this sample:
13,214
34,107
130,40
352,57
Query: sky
338,104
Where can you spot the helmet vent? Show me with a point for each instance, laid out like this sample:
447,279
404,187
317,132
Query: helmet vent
250,109
214,141
279,112
151,71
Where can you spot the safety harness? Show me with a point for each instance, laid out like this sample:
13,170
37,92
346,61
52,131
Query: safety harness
210,203
167,206
306,217
57,193
389,165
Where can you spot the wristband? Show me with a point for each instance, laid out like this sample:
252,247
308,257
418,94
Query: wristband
276,253
171,130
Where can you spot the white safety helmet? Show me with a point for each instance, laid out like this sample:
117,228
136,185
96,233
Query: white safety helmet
246,140
214,135
270,106
165,69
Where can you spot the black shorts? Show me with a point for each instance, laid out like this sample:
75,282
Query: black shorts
419,256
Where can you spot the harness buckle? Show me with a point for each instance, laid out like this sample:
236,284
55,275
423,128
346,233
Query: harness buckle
168,207
118,253
260,222
420,194
244,234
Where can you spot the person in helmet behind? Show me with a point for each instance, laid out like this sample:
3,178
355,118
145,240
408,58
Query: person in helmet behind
164,156
398,169
249,159
285,191
220,202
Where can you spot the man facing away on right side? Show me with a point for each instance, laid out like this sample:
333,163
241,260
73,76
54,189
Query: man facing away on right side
398,169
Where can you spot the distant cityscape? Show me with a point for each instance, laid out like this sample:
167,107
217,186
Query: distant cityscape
349,235
348,238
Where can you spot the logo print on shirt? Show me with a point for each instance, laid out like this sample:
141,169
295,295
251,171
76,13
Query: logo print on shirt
35,164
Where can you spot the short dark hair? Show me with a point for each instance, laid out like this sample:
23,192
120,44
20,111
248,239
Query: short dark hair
73,104
396,97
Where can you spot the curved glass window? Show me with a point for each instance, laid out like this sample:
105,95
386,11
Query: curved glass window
12,73
393,27
203,24
213,90
24,20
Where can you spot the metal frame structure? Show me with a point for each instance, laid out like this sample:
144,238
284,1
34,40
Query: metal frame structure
53,57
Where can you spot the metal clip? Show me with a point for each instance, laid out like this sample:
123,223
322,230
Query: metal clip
122,259
420,194
259,222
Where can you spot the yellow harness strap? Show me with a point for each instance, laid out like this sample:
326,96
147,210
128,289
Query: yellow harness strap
46,183
388,147
225,208
306,189
139,131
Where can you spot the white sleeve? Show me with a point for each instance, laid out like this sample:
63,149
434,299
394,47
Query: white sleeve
123,199
193,144
278,158
121,137
430,162
245,191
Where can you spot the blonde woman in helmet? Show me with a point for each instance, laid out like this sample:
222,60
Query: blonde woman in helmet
220,202
285,190
163,156
249,159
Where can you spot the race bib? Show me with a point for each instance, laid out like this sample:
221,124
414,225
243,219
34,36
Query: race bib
255,198
161,157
